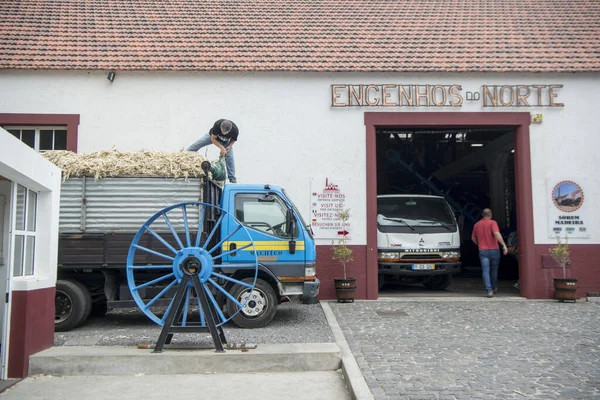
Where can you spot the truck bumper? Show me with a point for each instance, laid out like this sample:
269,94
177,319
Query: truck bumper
406,269
310,292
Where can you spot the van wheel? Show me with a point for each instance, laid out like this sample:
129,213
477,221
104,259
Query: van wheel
438,282
260,307
73,304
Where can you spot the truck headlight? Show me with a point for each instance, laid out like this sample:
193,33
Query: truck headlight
389,256
451,254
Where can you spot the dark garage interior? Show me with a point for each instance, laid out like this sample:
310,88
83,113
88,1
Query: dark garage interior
472,168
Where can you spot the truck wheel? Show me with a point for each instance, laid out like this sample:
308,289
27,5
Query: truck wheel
260,308
73,304
438,282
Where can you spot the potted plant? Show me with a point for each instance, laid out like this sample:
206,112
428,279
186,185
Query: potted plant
564,288
344,287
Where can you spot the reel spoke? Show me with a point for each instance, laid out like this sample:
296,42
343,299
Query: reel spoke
152,266
163,241
156,253
200,225
170,225
226,293
185,225
214,303
162,320
158,296
162,278
212,232
225,239
186,305
232,280
232,251
201,311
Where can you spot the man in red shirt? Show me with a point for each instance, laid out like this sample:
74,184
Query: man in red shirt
486,237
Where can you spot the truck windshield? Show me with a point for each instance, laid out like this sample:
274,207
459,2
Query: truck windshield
308,227
414,211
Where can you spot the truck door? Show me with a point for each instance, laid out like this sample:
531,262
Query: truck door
264,215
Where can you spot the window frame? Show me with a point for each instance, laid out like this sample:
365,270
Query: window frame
26,233
71,121
277,199
37,134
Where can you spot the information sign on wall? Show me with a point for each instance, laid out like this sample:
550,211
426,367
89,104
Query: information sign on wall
568,211
328,196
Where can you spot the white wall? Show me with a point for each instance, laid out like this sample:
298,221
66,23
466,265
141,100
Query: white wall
288,130
21,164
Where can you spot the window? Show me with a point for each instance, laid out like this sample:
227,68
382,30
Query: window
265,213
25,226
41,139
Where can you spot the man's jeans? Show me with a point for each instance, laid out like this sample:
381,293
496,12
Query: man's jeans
490,259
229,161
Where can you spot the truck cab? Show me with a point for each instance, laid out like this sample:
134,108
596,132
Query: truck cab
283,244
418,240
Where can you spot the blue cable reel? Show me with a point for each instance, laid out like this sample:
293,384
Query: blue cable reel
168,250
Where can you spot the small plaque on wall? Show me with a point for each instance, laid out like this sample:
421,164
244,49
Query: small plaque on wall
568,208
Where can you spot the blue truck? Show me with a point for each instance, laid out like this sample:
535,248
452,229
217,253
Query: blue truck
263,252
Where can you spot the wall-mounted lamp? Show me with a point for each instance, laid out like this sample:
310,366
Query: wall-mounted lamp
111,76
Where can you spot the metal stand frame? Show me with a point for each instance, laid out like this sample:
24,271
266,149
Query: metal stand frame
171,326
191,268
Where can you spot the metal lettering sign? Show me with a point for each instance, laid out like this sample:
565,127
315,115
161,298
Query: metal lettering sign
398,95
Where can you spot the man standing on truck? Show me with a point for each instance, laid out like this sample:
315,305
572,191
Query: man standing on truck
223,134
486,236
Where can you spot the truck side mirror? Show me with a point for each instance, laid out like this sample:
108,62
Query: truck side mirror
290,223
290,227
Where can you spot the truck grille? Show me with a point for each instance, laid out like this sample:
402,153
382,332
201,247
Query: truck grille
421,256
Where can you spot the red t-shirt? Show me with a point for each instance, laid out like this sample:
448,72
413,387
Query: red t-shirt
483,231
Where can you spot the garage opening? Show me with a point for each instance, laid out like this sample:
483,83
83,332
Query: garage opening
432,186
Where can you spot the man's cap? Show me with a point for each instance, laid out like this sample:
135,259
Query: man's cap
226,126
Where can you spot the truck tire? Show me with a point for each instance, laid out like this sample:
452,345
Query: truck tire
73,304
438,282
259,310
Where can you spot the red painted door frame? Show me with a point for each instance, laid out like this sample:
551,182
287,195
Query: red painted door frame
518,120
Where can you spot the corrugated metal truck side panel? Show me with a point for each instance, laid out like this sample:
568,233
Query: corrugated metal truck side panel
123,204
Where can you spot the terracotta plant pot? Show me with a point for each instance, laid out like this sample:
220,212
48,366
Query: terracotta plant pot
344,289
565,289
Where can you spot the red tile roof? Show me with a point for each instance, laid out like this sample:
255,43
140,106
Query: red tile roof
302,35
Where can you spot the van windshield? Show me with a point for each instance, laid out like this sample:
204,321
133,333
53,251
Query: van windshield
414,212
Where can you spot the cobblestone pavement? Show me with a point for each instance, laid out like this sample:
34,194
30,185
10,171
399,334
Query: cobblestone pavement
475,349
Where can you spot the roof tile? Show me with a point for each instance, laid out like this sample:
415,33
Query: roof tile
302,35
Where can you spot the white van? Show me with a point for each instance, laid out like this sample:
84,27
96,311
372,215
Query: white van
418,240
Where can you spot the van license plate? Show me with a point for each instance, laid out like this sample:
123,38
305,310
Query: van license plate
423,266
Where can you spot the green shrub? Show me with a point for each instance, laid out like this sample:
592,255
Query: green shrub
341,252
561,254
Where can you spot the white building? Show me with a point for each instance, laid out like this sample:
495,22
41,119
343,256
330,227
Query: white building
317,87
29,204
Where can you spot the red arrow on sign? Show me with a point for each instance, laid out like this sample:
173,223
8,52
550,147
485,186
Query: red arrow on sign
343,233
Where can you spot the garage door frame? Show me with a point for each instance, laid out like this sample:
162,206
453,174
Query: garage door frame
520,121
